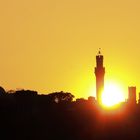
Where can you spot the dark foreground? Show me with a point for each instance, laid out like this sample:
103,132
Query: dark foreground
38,118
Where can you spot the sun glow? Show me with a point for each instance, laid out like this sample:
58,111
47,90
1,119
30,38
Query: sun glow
113,94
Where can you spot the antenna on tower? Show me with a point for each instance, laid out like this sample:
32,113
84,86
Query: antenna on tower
99,51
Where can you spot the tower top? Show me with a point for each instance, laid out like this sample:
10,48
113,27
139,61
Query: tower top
99,52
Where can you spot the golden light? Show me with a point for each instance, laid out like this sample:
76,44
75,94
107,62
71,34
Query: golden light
113,94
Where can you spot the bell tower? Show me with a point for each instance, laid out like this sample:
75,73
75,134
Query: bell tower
99,73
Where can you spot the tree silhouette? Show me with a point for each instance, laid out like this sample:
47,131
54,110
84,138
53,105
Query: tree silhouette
25,93
2,91
60,97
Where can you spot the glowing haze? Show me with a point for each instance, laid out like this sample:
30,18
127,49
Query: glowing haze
50,45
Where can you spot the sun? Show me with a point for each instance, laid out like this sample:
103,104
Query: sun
112,95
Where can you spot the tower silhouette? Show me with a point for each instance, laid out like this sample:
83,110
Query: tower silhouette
99,73
132,95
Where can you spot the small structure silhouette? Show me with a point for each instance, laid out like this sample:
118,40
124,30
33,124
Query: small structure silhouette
132,95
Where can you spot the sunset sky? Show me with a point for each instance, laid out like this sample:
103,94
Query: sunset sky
50,45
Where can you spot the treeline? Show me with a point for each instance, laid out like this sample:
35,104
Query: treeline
25,114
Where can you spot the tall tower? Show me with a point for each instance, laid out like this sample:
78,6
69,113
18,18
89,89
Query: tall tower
99,73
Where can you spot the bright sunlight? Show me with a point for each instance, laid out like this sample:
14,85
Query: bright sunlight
112,95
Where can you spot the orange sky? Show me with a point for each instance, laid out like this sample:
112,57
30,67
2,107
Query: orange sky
50,45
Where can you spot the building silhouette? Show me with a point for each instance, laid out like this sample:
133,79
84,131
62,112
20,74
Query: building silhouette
99,73
132,95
